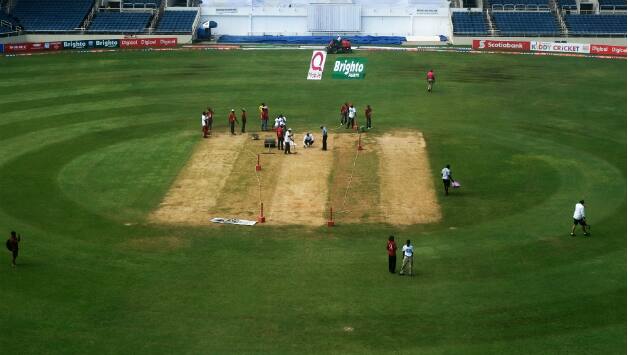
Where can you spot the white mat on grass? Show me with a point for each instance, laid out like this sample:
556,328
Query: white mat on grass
240,222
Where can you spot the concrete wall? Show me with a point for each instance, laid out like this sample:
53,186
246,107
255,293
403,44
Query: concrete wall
181,39
381,21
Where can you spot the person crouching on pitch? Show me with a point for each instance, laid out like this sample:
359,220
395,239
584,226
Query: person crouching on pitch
308,140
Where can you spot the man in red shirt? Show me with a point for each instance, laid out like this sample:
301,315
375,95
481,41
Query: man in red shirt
367,114
264,116
280,138
210,119
232,121
392,254
344,111
431,78
243,118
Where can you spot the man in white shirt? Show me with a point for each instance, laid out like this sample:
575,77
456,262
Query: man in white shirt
579,218
308,140
351,116
204,124
408,252
287,141
446,174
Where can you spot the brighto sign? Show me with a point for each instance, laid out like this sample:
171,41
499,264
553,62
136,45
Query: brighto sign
349,68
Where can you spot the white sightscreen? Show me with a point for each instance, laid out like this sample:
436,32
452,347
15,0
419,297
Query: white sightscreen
334,18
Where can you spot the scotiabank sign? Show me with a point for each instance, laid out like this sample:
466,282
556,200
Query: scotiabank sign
32,47
148,42
560,47
490,45
618,51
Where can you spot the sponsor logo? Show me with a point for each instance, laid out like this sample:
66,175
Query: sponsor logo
32,47
1,48
618,51
101,43
317,65
560,47
501,45
349,68
148,42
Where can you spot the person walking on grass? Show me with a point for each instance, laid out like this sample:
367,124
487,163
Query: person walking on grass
13,244
408,252
367,113
392,254
431,79
232,121
579,218
243,118
446,174
324,133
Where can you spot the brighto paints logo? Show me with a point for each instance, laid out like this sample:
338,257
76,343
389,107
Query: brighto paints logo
349,68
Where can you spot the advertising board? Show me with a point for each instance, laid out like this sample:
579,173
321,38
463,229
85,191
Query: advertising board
148,42
617,51
349,68
581,48
32,47
87,44
491,45
317,65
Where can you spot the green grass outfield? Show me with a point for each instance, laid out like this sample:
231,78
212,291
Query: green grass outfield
91,142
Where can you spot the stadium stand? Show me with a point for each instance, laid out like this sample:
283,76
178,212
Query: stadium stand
362,40
176,21
120,22
526,23
7,23
567,4
596,24
469,23
47,15
612,4
141,3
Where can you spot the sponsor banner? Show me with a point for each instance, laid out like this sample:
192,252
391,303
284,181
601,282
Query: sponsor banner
32,47
349,68
618,51
490,45
560,47
97,43
1,48
317,65
148,42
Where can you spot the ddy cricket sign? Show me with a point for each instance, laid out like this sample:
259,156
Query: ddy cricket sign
349,68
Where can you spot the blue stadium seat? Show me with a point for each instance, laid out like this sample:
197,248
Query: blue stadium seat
526,23
48,15
469,23
177,21
120,22
596,24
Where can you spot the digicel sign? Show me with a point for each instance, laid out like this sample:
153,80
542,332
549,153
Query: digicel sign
490,45
148,42
618,51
